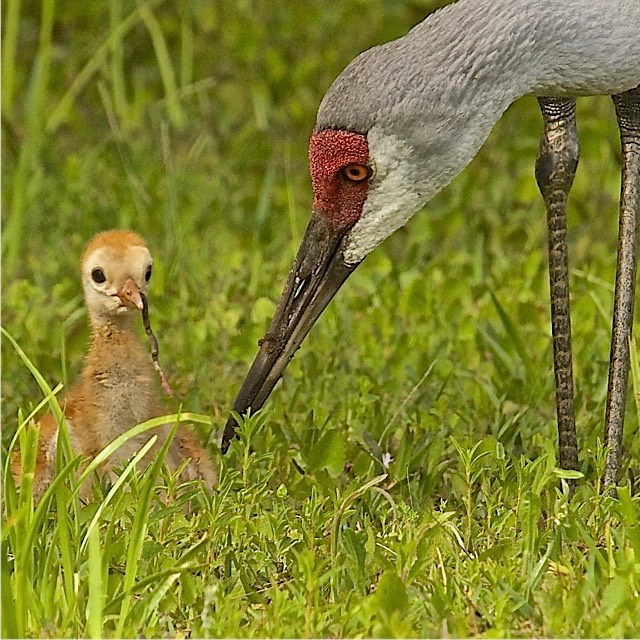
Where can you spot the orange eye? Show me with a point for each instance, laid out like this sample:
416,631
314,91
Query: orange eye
355,172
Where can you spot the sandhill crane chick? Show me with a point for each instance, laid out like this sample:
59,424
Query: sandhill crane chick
118,386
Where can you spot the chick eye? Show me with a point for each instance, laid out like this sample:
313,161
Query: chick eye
97,275
147,275
355,172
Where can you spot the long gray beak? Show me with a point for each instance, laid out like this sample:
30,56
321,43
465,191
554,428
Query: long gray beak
318,272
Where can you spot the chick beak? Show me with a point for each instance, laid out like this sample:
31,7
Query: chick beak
130,295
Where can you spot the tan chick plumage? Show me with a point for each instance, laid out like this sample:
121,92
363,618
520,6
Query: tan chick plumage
118,387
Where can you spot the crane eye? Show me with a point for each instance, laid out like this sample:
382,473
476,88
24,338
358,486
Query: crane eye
355,172
97,275
147,275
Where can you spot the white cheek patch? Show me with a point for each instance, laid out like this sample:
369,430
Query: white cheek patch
392,199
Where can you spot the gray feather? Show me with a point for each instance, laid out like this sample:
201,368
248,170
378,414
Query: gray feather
478,56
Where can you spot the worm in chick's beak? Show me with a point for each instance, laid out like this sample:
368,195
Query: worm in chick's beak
154,345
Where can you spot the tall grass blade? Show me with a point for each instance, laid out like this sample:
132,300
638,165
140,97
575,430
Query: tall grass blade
10,626
164,64
116,66
28,540
46,389
149,580
140,526
22,553
115,489
65,538
61,111
66,520
115,444
95,602
151,602
30,151
187,46
48,583
11,20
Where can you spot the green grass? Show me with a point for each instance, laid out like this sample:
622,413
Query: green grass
401,480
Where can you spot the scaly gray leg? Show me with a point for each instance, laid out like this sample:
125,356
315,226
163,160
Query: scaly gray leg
628,113
555,169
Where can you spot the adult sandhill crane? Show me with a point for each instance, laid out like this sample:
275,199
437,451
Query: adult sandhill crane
404,118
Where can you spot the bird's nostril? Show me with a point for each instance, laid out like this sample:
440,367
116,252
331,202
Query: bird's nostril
301,285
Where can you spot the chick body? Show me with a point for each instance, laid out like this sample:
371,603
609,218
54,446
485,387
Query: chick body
117,388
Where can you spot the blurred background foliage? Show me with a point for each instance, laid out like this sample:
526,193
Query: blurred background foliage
189,122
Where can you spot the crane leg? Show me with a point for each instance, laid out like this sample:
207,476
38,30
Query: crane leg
628,113
556,165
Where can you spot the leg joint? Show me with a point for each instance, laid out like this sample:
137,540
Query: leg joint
559,150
